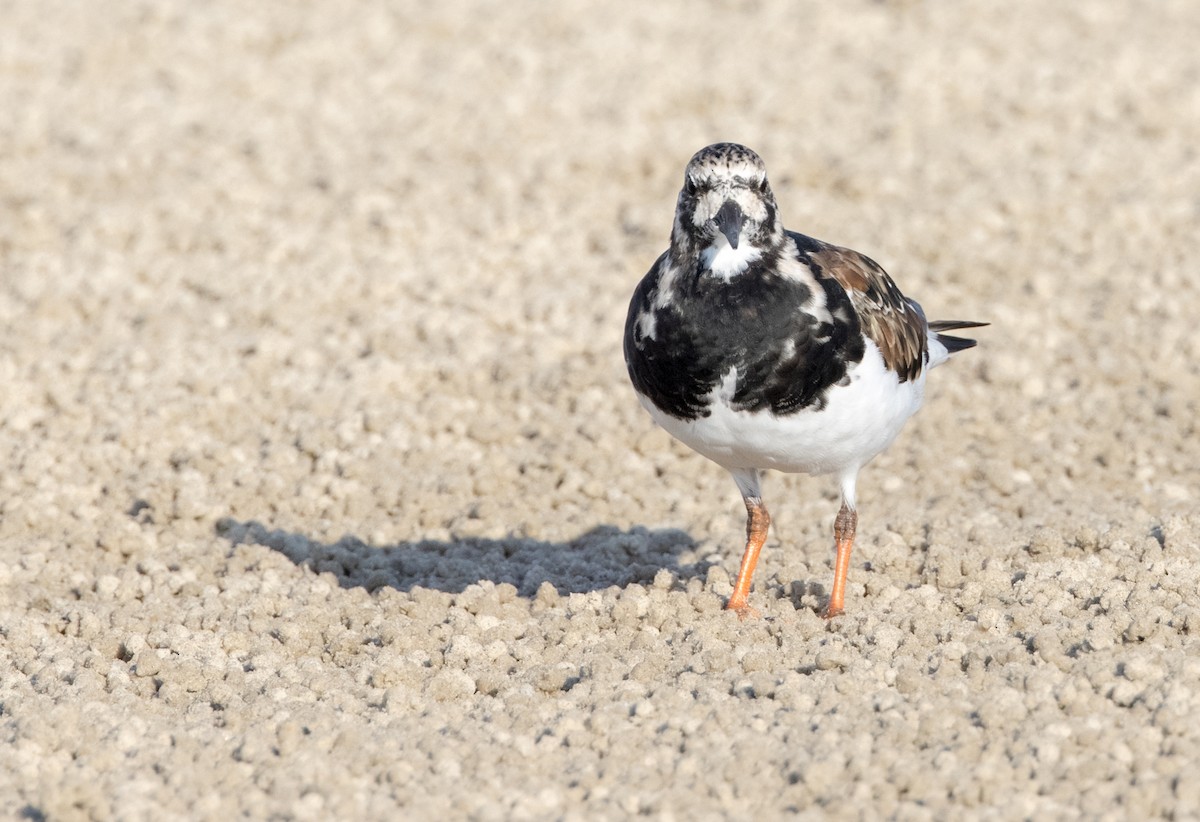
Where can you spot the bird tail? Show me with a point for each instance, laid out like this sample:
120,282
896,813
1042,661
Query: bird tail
954,344
941,346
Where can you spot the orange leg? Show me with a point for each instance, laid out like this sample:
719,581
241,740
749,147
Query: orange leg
757,523
843,533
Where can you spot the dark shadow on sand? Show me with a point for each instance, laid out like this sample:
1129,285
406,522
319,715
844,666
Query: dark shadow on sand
599,558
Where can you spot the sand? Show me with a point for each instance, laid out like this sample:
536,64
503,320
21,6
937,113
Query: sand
326,496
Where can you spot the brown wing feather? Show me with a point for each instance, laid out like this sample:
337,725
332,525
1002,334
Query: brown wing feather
890,319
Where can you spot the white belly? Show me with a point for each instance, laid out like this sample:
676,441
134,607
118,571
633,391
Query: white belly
858,421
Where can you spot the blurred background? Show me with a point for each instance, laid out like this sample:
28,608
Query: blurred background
396,241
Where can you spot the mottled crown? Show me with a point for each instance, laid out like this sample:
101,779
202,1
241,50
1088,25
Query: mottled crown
726,162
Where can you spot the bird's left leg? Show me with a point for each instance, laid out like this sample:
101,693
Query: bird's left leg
758,522
843,534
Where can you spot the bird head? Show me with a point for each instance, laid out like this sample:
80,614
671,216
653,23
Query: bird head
726,208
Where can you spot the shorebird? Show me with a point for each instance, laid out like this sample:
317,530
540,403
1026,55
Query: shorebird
761,348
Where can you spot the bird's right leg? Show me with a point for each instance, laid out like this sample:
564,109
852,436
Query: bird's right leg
758,522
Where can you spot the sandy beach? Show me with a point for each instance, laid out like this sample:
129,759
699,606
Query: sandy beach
326,494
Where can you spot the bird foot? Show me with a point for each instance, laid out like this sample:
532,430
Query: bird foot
830,612
744,610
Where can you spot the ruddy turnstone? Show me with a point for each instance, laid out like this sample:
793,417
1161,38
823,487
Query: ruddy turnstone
762,348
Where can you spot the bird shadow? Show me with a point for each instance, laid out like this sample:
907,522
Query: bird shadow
597,559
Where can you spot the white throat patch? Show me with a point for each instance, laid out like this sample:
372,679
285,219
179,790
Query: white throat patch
725,261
